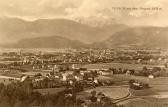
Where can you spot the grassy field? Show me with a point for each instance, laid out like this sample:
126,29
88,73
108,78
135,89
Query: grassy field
157,85
117,65
49,90
114,92
145,102
156,96
5,81
32,73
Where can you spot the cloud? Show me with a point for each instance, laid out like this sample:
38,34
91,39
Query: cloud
36,8
83,9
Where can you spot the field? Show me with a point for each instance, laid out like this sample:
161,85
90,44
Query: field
117,65
145,102
32,73
156,96
49,90
5,81
159,86
114,92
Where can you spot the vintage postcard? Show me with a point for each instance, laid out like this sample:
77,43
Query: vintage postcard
83,53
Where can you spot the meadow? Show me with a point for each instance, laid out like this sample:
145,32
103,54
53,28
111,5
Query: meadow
117,65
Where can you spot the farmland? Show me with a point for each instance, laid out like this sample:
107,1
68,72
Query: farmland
114,92
146,102
117,65
78,74
49,90
5,80
156,96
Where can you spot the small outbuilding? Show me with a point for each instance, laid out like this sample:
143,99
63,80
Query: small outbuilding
151,76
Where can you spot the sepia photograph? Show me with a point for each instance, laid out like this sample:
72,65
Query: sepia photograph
83,53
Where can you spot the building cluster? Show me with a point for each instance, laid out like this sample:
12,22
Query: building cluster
91,56
65,61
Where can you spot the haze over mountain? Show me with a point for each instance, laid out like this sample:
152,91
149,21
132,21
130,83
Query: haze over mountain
14,29
57,33
151,37
48,42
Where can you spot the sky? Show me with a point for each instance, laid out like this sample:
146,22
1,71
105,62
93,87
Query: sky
89,10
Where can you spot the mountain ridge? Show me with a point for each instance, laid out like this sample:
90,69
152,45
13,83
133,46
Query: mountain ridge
47,42
75,35
14,29
137,37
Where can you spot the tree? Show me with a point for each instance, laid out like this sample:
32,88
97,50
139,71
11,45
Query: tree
38,75
49,103
145,68
1,86
20,103
86,76
5,102
155,69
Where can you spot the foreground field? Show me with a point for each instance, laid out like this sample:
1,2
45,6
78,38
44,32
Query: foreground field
4,80
49,90
156,96
145,102
114,92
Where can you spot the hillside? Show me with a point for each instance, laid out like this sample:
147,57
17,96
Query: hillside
151,37
15,29
48,42
48,32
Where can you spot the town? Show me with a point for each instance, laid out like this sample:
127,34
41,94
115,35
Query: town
83,53
80,77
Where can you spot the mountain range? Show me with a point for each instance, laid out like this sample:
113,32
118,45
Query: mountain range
14,29
149,37
48,42
62,33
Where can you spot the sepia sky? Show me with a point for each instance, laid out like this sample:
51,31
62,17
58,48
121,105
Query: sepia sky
96,10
